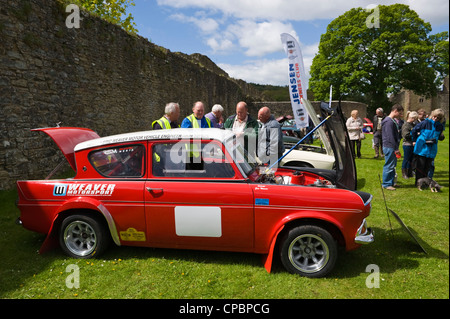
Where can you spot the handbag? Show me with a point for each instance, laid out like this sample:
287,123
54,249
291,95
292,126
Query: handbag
362,135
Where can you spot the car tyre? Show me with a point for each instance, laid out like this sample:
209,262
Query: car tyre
83,236
309,251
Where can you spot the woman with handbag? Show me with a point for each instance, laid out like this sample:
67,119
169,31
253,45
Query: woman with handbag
425,136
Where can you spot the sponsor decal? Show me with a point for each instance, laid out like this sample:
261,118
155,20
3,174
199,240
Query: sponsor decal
131,234
59,190
262,201
83,189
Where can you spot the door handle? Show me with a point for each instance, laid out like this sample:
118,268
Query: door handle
153,190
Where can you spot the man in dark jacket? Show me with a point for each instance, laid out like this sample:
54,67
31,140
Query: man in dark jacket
270,137
391,142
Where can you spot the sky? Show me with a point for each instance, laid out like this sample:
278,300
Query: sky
243,36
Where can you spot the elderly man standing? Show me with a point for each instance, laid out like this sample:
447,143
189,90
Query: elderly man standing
215,116
270,138
244,126
377,140
170,117
197,118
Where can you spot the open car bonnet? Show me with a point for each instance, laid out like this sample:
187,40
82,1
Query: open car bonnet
334,136
337,134
67,138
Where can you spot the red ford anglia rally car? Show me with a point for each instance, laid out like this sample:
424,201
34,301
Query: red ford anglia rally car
191,189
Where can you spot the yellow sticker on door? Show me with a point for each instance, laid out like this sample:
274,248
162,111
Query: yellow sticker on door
132,234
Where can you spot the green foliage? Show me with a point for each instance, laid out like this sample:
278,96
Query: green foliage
113,11
272,92
370,61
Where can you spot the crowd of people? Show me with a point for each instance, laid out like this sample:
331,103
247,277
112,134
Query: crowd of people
265,130
420,134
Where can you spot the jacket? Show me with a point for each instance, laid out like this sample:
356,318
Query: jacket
191,122
390,133
270,139
426,135
354,127
163,123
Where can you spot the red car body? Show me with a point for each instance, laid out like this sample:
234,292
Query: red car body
131,189
367,126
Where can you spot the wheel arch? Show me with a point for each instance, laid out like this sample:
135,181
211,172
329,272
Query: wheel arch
89,208
328,225
285,226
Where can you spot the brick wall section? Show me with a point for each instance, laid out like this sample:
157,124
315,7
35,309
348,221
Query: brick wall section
97,76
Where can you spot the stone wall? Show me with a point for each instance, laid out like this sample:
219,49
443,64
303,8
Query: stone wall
413,102
96,76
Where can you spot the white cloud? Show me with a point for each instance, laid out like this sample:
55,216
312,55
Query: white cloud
267,9
219,45
259,71
259,39
266,71
433,11
206,25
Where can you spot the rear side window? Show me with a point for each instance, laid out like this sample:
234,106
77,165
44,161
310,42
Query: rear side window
120,161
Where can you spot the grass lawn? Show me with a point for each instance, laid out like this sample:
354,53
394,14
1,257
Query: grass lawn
405,272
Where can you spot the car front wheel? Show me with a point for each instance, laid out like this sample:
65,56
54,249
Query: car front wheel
82,236
309,251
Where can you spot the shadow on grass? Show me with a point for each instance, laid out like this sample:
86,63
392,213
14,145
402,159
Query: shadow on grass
392,250
20,260
197,256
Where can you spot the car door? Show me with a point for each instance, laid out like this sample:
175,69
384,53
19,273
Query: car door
195,199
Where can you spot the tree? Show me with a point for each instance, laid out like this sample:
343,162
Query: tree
366,59
112,11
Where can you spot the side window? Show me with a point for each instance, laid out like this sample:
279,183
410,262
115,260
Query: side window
190,159
120,161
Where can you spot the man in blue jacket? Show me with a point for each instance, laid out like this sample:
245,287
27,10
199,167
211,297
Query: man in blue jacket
390,133
425,136
197,119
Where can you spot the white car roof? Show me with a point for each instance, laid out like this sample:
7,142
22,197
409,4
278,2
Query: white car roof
172,134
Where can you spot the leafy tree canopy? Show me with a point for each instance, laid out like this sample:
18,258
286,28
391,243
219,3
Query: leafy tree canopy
366,59
113,11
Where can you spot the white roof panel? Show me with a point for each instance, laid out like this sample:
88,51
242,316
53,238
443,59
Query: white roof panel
173,134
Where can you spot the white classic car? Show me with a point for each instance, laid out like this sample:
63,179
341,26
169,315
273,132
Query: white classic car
335,153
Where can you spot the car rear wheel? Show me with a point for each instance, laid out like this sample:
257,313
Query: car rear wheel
309,251
82,236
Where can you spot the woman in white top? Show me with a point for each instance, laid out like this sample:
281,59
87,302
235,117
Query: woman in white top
354,127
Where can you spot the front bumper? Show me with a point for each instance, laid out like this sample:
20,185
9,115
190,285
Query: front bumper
364,234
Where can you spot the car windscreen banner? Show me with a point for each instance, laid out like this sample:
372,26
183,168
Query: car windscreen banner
296,72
